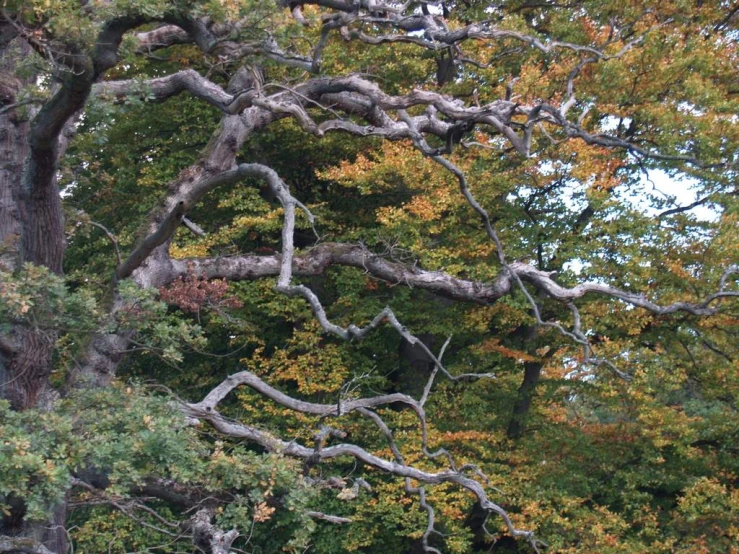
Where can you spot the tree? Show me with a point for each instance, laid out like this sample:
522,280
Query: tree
400,161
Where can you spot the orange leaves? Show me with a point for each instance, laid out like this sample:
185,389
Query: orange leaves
191,294
263,512
595,166
428,207
493,345
347,172
422,208
605,433
392,165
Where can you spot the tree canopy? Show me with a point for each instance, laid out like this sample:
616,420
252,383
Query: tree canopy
355,275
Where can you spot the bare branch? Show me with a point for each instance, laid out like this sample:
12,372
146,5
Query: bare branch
159,237
19,104
682,209
22,545
110,236
294,449
193,227
161,37
162,88
544,281
319,258
330,518
215,396
208,537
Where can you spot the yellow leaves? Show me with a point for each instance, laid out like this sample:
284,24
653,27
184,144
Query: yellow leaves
430,207
231,8
676,268
595,33
315,371
250,225
347,173
217,450
307,360
16,302
478,319
263,512
147,419
389,215
49,470
21,446
198,250
43,8
393,164
664,424
719,321
506,316
555,413
708,507
532,82
347,493
453,504
466,436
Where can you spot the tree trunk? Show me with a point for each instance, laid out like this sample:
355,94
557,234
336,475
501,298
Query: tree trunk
415,366
31,230
517,425
13,150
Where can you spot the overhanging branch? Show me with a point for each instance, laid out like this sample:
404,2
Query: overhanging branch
294,449
319,258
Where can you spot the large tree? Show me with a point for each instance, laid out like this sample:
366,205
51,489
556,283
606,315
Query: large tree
307,222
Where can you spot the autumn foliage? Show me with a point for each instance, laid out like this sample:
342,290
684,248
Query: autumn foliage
367,277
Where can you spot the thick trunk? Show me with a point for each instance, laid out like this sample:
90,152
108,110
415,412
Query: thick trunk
28,369
31,230
32,140
17,535
42,220
13,150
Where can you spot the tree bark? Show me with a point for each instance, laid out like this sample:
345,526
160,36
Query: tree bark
415,366
519,415
31,230
13,149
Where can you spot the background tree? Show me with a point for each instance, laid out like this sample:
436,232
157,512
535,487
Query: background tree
484,305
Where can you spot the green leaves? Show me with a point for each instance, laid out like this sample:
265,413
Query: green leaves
123,438
156,329
34,459
42,300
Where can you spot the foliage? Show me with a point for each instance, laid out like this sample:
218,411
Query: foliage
134,434
635,455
